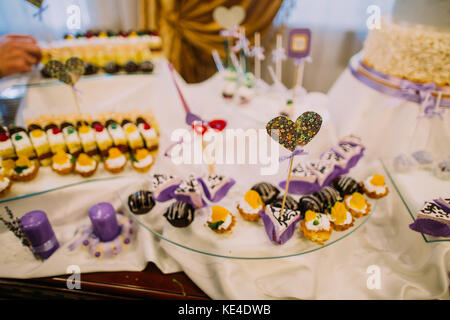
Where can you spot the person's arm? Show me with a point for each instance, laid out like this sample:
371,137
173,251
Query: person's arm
18,54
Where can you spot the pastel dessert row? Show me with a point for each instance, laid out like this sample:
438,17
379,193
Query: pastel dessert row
310,177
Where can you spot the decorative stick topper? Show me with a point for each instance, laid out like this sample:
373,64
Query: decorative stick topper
292,134
229,18
299,45
38,4
69,73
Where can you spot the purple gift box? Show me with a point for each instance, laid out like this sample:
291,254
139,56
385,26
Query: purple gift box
38,230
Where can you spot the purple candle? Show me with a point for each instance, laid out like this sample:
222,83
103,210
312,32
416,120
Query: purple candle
104,221
39,232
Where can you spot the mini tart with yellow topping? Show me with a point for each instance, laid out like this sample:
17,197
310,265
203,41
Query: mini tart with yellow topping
5,185
25,169
62,162
251,206
116,161
141,160
221,220
85,165
341,219
316,226
375,187
357,205
7,167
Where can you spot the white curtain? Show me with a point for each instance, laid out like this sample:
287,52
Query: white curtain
16,16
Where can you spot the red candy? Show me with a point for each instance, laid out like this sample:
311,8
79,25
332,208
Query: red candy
56,130
147,126
199,127
98,127
218,124
3,137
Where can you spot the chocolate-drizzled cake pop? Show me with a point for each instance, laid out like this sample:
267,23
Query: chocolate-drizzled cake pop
141,202
180,214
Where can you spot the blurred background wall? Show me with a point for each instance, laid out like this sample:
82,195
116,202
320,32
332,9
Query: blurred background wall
338,28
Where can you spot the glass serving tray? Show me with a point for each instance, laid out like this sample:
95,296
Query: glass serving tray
248,240
414,194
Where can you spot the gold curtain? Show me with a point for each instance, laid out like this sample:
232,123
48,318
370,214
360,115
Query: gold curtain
189,32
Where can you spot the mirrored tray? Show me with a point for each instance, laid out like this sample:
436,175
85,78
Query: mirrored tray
247,240
414,188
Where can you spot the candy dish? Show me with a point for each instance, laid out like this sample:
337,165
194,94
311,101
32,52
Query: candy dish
216,186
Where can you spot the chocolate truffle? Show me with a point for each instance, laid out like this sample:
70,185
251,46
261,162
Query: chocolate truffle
131,67
347,185
146,66
267,191
141,202
111,67
180,214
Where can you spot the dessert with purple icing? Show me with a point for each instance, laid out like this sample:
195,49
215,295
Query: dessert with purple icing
250,206
163,186
189,191
423,158
303,180
180,214
325,171
280,228
216,186
434,218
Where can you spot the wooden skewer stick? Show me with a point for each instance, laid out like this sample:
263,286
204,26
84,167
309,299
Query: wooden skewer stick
278,64
287,187
257,61
76,100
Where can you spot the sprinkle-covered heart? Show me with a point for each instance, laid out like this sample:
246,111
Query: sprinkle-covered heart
68,73
292,134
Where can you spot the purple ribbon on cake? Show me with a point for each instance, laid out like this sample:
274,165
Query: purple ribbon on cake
297,152
401,88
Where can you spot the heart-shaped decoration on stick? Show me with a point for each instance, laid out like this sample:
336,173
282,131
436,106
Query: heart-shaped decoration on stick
292,134
68,73
229,18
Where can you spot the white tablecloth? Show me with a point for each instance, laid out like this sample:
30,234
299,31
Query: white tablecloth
409,267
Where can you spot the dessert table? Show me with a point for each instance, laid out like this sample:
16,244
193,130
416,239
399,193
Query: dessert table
408,267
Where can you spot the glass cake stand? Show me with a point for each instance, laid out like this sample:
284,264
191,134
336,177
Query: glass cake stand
413,195
247,241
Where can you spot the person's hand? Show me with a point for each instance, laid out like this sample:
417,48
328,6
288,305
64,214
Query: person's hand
18,54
